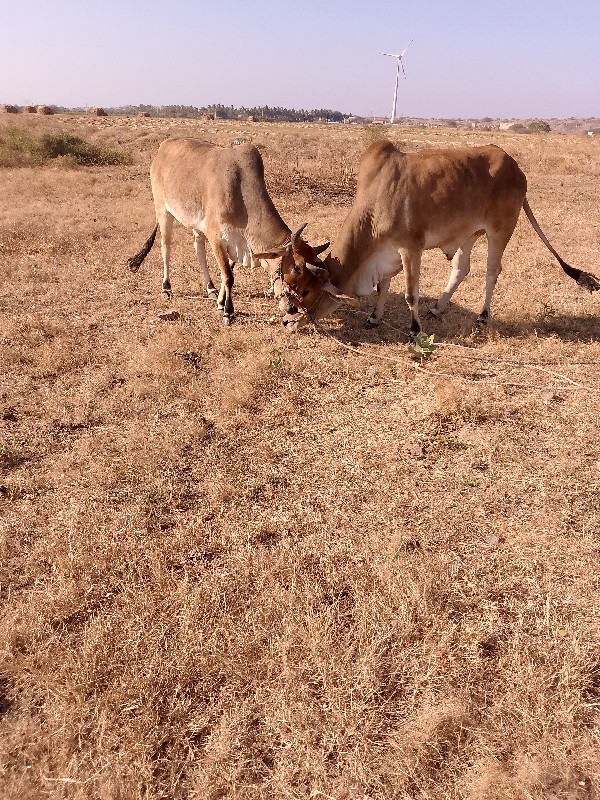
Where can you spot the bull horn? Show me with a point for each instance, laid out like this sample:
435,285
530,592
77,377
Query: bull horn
320,249
296,235
319,271
335,292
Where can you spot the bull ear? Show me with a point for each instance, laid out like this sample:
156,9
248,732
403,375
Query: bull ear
280,251
335,292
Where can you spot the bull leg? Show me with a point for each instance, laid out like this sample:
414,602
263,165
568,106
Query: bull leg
411,261
494,268
461,265
165,222
225,301
200,248
382,292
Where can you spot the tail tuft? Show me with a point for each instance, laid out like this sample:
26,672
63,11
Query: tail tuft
135,262
584,279
588,281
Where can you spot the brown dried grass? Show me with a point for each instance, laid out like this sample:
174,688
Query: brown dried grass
237,563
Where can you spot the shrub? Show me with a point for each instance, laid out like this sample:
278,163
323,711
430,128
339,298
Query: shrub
518,127
18,147
539,126
20,141
53,145
371,133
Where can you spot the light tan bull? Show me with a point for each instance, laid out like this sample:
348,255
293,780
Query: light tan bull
220,193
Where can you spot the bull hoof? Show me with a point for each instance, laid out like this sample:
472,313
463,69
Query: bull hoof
167,294
481,321
227,319
368,326
212,294
432,314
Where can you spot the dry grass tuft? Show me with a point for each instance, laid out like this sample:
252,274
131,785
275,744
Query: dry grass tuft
235,563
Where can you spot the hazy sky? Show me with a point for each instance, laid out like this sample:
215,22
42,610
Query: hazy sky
469,58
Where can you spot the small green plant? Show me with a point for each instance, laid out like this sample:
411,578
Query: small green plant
276,359
422,347
548,311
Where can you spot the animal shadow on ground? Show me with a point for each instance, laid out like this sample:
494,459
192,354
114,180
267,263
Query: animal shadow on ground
567,327
456,324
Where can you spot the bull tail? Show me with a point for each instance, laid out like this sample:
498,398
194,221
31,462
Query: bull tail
584,279
135,262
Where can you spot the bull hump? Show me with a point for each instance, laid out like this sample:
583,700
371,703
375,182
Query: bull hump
382,146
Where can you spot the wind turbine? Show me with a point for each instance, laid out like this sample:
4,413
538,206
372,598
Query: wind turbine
400,63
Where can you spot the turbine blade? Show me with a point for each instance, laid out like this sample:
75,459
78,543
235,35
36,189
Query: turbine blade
402,65
406,48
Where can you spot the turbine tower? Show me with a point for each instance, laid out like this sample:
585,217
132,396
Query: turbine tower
400,63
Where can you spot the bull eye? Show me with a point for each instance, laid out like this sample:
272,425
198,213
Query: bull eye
305,293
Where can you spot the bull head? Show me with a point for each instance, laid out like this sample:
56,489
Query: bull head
317,267
309,282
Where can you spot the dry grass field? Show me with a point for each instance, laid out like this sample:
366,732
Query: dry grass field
239,563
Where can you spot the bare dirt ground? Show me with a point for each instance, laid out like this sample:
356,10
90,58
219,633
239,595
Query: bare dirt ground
238,563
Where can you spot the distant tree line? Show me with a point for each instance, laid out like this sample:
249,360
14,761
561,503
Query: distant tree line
219,111
258,113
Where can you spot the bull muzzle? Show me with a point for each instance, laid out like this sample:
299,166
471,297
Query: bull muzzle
293,322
